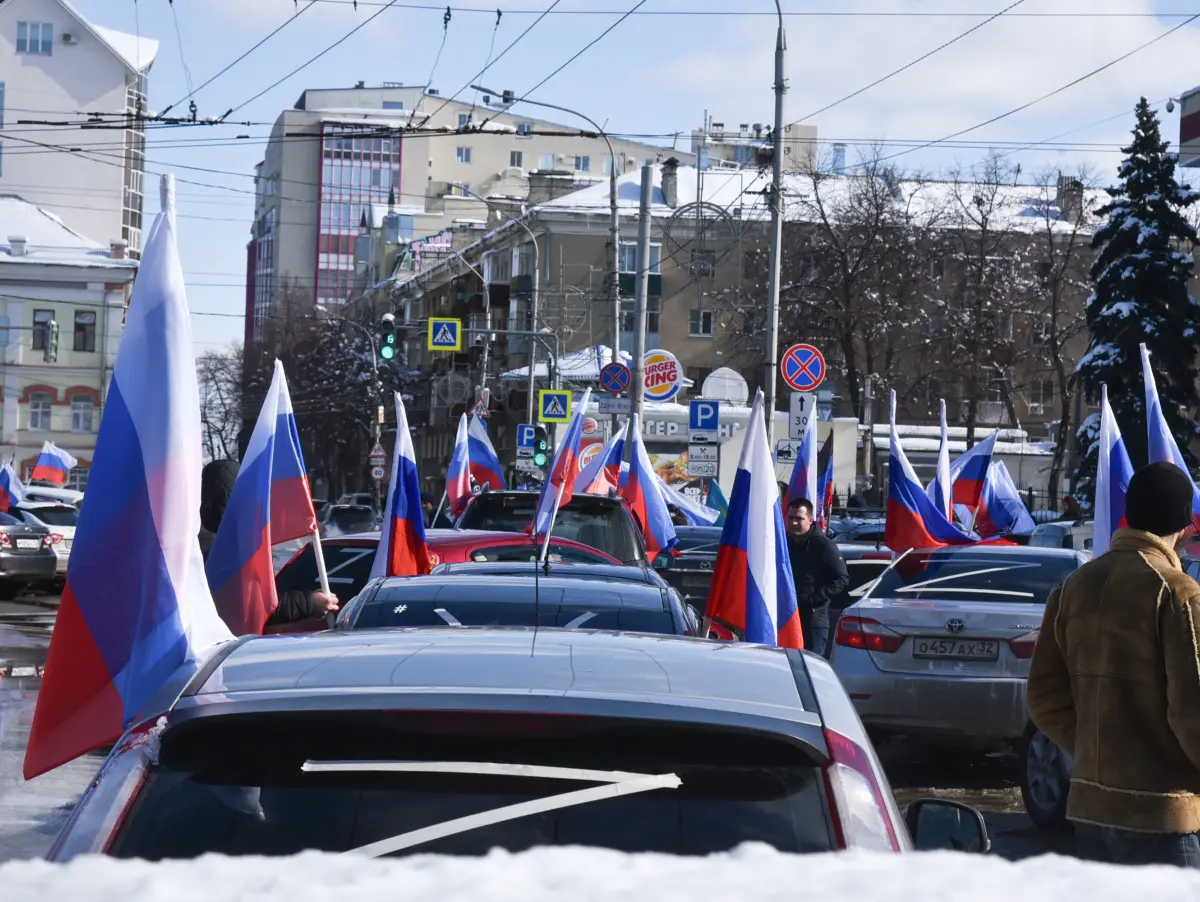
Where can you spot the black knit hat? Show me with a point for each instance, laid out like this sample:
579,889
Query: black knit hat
1159,499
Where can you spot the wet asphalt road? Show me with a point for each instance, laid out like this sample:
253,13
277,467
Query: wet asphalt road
31,813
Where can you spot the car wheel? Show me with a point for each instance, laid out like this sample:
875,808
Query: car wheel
1045,779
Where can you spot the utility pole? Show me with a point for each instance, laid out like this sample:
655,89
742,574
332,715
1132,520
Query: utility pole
776,233
533,312
637,395
615,259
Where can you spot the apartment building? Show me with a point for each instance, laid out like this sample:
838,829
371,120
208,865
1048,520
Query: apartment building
337,159
749,145
50,273
54,64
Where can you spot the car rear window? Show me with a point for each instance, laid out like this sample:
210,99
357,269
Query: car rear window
1049,536
353,519
9,520
520,553
235,786
966,577
348,568
698,540
57,516
596,522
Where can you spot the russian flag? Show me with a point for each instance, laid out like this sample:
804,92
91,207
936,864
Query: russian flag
969,472
1161,443
824,499
697,514
803,483
136,606
603,472
53,465
1001,510
11,490
270,503
1113,472
640,491
402,550
940,490
458,474
564,471
752,588
913,521
485,463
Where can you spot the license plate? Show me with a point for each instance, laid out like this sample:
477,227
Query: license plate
29,544
698,580
956,649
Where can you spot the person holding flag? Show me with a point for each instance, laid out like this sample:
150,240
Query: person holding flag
402,550
645,500
564,471
136,612
752,589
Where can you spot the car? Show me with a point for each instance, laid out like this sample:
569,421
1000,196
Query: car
939,647
594,601
60,519
346,519
865,531
865,563
26,556
386,742
49,493
595,520
1076,535
357,499
565,569
690,568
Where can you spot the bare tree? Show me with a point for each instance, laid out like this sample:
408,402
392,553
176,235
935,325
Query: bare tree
219,373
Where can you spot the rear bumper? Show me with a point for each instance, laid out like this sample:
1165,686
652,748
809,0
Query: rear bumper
968,708
28,565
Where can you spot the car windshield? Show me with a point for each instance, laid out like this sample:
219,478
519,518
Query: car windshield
254,785
352,519
969,576
698,540
596,522
57,516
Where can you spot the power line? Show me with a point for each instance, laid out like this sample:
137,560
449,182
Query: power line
187,73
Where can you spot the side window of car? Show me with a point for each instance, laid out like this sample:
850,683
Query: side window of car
571,555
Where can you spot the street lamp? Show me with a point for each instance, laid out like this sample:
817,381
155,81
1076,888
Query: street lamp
776,232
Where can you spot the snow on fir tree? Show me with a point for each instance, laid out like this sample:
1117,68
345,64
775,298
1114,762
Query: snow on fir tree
1140,291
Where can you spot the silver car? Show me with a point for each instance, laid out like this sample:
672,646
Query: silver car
939,647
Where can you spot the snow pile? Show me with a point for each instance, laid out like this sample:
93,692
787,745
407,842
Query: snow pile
748,875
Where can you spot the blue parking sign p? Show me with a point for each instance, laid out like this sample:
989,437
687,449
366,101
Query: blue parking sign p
526,434
704,416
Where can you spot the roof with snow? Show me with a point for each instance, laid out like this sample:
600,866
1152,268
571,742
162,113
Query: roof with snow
48,240
583,365
928,439
134,51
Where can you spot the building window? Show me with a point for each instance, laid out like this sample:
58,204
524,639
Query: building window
83,412
85,331
464,119
545,161
701,323
464,189
35,38
41,318
608,165
516,159
629,258
463,154
697,375
1041,392
393,104
629,315
524,129
583,164
39,411
77,479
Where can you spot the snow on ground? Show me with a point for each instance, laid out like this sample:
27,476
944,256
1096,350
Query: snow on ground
581,875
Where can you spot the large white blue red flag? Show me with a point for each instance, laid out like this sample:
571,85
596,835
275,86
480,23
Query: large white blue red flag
752,588
641,493
485,463
1001,510
805,471
913,520
402,550
1113,472
969,472
697,514
458,473
602,474
564,471
53,465
270,503
12,491
136,607
1161,444
940,490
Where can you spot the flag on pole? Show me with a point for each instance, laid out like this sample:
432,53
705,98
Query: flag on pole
805,474
564,471
968,473
913,521
641,493
270,503
752,588
697,514
53,465
458,474
1161,443
1001,509
12,491
603,472
824,499
402,550
717,501
485,463
136,607
1113,472
940,490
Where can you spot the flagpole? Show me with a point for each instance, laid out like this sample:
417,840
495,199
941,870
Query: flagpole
322,575
438,512
553,514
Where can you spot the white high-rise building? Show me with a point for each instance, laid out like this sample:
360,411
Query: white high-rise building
55,65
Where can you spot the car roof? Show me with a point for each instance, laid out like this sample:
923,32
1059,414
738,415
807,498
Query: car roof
580,498
436,537
1000,551
615,591
515,668
860,549
42,505
558,571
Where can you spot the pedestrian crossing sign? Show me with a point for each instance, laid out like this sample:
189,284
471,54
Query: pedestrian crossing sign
445,334
554,406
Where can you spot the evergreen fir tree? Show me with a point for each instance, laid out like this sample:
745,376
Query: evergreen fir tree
1140,275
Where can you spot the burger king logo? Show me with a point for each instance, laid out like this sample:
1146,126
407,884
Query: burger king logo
590,426
664,375
588,454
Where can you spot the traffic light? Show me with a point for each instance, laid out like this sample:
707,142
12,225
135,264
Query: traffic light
50,354
387,337
541,447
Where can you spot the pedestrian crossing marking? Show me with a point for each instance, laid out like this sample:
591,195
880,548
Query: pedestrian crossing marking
554,406
445,334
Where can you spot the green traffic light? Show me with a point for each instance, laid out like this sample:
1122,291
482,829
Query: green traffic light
387,352
539,459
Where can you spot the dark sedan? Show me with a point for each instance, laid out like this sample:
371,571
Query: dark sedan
26,556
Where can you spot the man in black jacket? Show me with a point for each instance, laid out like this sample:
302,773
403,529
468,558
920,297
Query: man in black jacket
818,571
216,485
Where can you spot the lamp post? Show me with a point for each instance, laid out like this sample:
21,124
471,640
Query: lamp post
776,233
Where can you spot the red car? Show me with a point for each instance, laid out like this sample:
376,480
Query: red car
348,560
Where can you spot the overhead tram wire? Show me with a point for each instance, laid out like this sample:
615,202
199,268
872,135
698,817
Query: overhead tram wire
187,73
438,58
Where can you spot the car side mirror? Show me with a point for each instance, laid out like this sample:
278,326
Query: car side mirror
938,824
662,561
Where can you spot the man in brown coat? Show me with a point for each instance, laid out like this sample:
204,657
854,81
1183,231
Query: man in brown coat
1115,682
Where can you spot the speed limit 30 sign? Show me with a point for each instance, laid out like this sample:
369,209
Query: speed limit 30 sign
801,411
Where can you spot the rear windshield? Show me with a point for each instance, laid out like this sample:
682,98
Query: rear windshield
698,540
9,520
519,553
234,786
597,522
57,516
348,568
353,519
943,576
1050,537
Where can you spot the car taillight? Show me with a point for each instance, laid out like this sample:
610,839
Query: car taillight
867,634
5,540
1023,646
52,539
860,813
434,558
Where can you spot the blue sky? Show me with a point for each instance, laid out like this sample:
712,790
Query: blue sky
655,74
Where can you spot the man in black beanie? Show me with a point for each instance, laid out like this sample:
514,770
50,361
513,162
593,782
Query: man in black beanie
1115,682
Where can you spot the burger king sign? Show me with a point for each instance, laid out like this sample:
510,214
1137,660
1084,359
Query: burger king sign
663,374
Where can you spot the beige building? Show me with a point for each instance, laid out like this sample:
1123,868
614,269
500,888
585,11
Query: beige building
717,146
50,273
